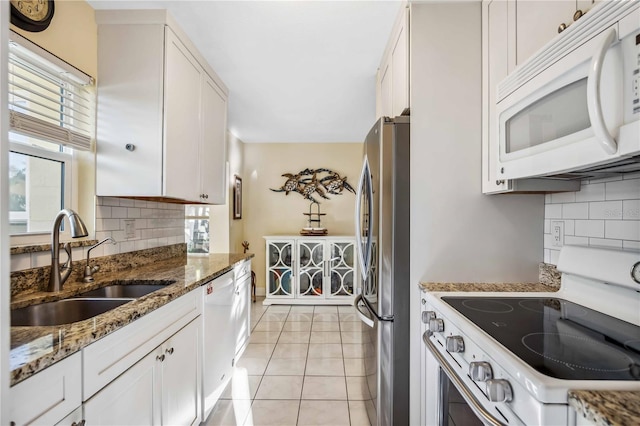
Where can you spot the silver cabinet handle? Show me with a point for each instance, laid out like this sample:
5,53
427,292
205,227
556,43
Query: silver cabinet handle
468,396
160,358
169,351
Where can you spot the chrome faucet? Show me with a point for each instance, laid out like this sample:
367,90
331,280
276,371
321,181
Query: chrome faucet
88,271
59,275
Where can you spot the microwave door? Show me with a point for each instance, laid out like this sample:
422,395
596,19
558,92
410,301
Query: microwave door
567,116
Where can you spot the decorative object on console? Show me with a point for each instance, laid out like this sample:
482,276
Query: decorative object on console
32,15
314,225
237,198
306,186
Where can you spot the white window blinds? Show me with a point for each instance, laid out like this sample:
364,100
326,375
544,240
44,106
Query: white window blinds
48,98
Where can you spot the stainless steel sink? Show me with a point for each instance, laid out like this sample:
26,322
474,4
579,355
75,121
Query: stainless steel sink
64,311
125,290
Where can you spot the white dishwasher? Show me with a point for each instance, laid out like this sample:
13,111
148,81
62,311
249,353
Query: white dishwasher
219,339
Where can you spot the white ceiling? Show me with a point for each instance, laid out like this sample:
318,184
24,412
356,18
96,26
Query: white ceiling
297,71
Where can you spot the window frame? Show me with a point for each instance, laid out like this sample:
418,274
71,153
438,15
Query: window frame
69,185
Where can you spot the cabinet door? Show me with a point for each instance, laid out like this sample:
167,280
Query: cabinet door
181,377
280,268
311,268
537,23
181,121
400,67
386,101
341,268
131,399
213,149
49,396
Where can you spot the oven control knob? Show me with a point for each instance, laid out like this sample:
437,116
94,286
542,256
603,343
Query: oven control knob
436,325
480,371
428,315
499,390
455,344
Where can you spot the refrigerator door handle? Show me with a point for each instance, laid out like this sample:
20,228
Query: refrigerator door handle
364,256
364,318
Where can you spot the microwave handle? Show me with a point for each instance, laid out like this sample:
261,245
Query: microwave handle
594,105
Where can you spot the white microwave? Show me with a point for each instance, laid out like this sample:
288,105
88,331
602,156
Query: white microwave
573,109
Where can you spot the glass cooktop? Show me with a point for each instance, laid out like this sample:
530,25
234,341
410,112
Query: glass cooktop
558,338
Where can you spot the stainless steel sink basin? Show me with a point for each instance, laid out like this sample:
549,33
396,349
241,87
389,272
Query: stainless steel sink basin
64,311
124,290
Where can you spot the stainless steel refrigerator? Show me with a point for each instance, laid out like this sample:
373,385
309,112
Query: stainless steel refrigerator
382,229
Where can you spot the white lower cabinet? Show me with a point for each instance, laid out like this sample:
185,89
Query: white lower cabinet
128,400
160,389
310,270
58,389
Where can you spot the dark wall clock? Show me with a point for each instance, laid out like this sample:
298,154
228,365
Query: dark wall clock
32,15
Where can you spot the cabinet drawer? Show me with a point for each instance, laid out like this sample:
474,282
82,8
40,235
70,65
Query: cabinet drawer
50,395
110,356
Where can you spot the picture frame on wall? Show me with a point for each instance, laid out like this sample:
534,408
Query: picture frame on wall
237,198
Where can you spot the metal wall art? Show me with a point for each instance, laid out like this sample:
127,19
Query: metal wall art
310,182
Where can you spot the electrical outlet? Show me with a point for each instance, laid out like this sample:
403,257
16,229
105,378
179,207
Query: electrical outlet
130,228
557,232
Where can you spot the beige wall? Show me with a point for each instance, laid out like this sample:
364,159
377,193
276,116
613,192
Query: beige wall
270,213
226,233
71,36
236,167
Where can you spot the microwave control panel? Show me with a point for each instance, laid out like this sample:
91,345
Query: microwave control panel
635,73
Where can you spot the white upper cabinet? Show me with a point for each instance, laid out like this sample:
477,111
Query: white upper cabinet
537,22
213,176
511,32
392,85
183,80
162,112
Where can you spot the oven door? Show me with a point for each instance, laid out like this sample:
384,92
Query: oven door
448,400
568,116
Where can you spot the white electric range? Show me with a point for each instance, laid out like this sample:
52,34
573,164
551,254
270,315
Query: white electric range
510,359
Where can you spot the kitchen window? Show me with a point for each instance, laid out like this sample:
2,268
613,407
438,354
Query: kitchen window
51,122
196,230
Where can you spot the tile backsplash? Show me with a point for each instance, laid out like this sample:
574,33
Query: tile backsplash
605,212
150,224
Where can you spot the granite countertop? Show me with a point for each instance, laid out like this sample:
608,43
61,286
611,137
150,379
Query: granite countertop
35,348
605,408
486,287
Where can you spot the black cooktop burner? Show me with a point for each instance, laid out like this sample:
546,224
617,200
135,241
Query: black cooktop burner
558,338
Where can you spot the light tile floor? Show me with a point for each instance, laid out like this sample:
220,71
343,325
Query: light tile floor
303,366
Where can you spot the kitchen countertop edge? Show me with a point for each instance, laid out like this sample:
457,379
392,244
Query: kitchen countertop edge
42,347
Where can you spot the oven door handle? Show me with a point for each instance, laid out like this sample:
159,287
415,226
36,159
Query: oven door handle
468,396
